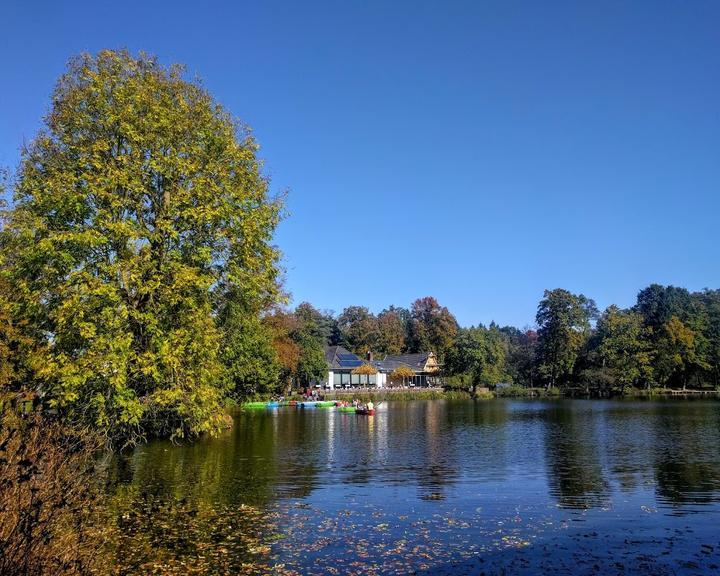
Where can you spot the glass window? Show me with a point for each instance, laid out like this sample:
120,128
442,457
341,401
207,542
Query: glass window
337,379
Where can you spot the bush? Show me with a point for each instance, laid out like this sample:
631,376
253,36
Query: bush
50,521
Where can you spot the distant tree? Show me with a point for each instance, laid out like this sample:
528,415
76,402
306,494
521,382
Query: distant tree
320,325
564,324
623,347
478,357
391,333
248,353
520,358
282,325
432,327
710,300
677,353
311,362
359,328
657,304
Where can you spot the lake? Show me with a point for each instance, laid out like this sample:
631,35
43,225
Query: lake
433,487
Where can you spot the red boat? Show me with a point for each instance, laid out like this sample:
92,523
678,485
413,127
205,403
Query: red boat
364,412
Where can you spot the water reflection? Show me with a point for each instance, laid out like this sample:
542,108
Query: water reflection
686,454
584,449
572,454
464,466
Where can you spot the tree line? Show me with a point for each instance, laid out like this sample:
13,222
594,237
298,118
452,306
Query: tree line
670,338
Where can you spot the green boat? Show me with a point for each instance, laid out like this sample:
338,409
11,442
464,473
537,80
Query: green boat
347,409
254,405
325,404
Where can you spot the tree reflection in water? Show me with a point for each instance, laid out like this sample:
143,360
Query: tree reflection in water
572,455
419,484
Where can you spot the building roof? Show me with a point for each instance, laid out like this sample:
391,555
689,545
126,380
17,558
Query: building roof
339,358
416,361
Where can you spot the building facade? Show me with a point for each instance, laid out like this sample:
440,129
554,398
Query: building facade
346,370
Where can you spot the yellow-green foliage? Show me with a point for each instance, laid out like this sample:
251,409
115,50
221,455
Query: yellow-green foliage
401,373
365,369
137,208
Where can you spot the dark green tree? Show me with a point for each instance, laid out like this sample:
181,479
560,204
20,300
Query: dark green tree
359,328
564,324
477,357
311,365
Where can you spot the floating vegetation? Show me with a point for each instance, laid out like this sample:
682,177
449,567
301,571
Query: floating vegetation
162,537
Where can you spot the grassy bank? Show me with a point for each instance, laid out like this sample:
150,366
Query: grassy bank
406,394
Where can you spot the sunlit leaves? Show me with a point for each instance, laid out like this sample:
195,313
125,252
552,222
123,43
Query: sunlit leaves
139,207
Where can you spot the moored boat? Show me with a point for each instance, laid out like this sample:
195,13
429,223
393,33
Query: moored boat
254,405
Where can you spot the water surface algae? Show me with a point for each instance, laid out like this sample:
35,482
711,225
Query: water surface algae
293,537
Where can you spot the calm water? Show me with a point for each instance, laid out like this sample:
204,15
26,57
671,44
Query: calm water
441,487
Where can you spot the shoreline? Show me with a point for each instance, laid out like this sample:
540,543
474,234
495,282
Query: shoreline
408,394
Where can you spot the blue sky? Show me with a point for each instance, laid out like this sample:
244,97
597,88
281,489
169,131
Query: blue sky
479,152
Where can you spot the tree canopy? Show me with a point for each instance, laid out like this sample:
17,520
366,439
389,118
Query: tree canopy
139,210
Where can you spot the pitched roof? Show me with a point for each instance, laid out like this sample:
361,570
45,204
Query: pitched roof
415,361
339,358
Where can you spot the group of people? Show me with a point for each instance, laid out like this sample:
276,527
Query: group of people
360,406
357,404
312,394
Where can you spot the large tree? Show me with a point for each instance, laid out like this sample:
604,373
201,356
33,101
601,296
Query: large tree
564,323
432,327
359,328
477,357
321,325
678,353
623,347
138,207
391,332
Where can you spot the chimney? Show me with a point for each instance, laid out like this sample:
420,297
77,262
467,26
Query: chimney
369,356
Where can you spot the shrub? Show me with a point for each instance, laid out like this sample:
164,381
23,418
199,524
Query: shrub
50,521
